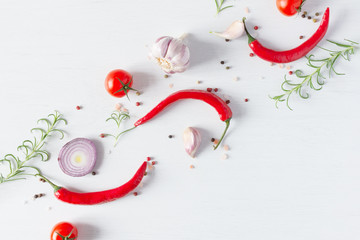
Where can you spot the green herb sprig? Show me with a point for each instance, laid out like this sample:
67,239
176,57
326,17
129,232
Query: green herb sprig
32,149
118,117
219,6
315,80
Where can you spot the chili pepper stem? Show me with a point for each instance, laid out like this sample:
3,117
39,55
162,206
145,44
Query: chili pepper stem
223,135
251,38
56,187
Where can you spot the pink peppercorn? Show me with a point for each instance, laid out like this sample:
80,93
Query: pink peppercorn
290,72
256,28
137,103
209,89
246,99
78,107
251,54
148,158
215,89
102,135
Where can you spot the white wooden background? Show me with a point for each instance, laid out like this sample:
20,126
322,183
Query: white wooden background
289,175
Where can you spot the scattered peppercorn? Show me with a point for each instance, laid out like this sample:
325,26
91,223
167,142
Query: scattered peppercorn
309,17
222,62
212,139
153,163
209,89
227,40
227,68
215,89
148,158
138,93
301,37
314,20
246,99
256,28
93,173
41,194
303,16
227,101
305,12
166,76
135,194
102,135
251,54
290,72
36,196
192,166
78,107
145,173
317,14
170,136
137,103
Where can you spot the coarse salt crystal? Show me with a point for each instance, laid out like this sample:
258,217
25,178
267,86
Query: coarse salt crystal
288,67
247,10
224,156
235,79
281,65
192,166
118,106
226,147
171,85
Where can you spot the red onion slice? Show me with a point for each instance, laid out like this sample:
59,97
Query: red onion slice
77,157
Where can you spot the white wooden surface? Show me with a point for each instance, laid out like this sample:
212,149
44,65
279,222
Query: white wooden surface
289,175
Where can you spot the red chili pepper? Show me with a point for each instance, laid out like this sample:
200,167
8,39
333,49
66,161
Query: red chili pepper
293,54
91,198
220,106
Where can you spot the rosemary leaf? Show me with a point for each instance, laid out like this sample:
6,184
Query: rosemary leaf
31,149
315,79
220,7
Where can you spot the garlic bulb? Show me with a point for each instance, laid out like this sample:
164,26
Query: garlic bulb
235,30
192,140
171,54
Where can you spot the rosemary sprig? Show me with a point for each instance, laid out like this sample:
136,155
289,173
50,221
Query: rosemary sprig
118,117
219,6
32,149
315,80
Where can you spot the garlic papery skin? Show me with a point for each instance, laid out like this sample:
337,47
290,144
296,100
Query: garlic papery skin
192,140
171,54
235,30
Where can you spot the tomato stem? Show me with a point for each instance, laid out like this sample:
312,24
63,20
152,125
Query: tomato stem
125,87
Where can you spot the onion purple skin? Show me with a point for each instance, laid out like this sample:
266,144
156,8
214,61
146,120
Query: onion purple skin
78,144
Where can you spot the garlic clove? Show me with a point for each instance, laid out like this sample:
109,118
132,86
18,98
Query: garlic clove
192,140
235,30
171,54
160,48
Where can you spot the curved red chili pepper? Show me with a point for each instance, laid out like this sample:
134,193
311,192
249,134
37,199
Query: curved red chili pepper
220,106
293,54
91,198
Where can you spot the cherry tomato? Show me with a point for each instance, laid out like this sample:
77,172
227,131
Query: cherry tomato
289,7
118,83
64,231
